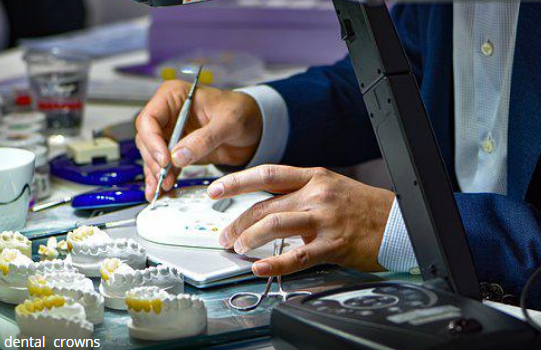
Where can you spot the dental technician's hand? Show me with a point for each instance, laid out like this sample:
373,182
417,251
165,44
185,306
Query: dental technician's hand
224,128
340,220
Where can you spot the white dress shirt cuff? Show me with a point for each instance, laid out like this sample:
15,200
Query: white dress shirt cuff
396,253
275,124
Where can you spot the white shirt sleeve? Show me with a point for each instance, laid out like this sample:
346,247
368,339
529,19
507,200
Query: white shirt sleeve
275,124
396,252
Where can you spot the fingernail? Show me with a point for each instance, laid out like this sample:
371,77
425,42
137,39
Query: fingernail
183,157
224,240
148,191
262,268
216,190
239,249
160,158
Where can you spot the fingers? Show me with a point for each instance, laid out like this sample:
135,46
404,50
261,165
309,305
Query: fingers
257,212
271,178
301,258
200,143
151,136
275,226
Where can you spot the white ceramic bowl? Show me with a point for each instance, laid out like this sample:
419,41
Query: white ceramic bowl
16,175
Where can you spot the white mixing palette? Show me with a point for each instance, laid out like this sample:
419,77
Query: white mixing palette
188,217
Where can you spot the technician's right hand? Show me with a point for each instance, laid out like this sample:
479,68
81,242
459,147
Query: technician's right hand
224,128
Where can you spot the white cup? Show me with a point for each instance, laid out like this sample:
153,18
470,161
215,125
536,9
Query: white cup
16,175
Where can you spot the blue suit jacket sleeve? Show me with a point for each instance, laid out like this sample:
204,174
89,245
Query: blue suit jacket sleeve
327,118
505,239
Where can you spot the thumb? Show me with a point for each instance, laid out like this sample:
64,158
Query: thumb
199,144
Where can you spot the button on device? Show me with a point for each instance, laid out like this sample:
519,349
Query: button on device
487,48
464,326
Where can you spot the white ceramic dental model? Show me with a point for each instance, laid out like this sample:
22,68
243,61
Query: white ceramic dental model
90,246
15,268
189,217
117,278
69,284
15,240
158,315
53,317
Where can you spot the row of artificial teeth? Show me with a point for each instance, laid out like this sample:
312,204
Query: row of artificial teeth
31,268
39,285
38,304
140,276
146,299
89,297
10,236
103,247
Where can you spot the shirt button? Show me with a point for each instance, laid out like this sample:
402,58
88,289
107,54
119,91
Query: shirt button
487,48
488,145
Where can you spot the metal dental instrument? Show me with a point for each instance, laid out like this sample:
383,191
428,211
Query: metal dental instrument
31,235
177,133
258,297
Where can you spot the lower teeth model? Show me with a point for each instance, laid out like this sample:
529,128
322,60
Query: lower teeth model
69,284
117,278
15,240
53,317
90,246
157,315
16,268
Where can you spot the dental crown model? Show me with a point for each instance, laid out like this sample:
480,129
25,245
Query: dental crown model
90,246
158,315
53,317
15,240
117,278
16,268
69,284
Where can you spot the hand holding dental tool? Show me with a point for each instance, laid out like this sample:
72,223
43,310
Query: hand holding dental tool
177,133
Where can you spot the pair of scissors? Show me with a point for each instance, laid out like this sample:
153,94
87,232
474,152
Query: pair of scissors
257,298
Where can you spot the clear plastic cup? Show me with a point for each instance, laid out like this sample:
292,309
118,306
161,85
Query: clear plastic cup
58,81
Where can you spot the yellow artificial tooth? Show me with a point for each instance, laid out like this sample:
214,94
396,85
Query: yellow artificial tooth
29,305
146,305
4,267
70,246
38,304
48,302
137,305
21,310
58,301
128,303
157,306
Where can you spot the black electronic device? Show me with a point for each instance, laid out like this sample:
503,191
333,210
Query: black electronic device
445,311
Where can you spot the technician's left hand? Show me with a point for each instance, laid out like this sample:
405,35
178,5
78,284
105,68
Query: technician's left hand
340,220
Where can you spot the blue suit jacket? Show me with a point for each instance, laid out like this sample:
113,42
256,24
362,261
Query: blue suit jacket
329,127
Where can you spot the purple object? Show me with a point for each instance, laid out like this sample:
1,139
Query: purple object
279,34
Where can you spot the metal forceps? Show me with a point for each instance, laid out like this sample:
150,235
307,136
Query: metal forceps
258,297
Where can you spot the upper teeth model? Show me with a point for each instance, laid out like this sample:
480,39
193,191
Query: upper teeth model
53,317
158,315
15,269
69,284
15,240
117,278
90,246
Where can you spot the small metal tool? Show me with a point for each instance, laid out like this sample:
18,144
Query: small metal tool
102,225
258,297
177,133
